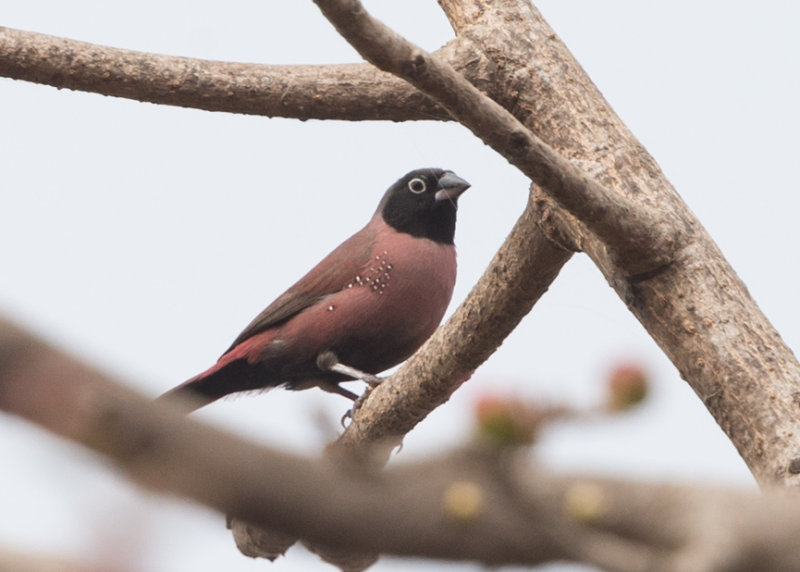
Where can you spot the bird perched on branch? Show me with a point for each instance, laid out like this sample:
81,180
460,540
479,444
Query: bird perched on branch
364,308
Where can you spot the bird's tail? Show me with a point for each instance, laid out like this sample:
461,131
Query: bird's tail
220,380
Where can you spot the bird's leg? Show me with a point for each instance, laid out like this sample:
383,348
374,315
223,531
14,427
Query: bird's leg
333,387
327,361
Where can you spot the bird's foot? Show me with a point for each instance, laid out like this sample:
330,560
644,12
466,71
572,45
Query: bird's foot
356,405
327,361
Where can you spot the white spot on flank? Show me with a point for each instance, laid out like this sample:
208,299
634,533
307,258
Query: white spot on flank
330,308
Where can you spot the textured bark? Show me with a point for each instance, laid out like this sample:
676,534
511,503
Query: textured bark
642,240
351,92
695,308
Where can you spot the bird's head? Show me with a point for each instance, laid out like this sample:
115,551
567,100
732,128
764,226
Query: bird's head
423,204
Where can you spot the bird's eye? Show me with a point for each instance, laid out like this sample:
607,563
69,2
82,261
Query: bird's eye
416,186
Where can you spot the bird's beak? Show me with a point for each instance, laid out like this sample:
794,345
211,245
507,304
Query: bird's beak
450,187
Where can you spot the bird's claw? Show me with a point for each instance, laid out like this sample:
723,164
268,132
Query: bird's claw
357,404
362,398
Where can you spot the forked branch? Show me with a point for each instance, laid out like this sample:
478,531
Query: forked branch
638,239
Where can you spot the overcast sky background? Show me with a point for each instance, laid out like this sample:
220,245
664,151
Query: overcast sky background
143,238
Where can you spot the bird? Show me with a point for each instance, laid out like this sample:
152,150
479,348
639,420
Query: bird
364,308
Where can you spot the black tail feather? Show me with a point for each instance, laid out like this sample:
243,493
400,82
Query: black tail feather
235,376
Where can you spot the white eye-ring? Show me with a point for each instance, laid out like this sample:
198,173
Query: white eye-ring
417,185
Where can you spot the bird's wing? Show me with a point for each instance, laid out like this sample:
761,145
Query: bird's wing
332,274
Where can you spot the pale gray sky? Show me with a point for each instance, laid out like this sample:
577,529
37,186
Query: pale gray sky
143,238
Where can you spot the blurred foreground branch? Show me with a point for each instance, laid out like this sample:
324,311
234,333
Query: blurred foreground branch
16,561
482,504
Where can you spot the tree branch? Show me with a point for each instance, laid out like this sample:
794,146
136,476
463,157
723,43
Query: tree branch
481,505
163,450
694,307
518,275
351,92
641,241
29,562
697,309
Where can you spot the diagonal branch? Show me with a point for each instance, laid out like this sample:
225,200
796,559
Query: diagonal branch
696,307
518,275
351,92
640,241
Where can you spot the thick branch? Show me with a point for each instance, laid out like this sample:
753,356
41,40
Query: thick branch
640,240
351,92
478,505
697,309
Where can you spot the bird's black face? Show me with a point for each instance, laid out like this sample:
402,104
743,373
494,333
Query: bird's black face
423,204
